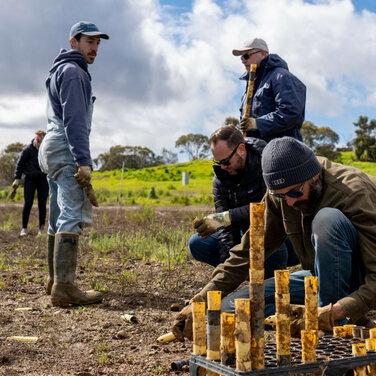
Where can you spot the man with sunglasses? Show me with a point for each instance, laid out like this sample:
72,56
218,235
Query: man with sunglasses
278,102
329,213
237,182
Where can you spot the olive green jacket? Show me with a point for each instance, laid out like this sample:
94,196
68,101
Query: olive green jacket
345,188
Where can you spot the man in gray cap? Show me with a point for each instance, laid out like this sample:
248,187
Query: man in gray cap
278,102
65,157
329,213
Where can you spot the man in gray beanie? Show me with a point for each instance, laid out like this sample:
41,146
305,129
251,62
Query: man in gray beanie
329,213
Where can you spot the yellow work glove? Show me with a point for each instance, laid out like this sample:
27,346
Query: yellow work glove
212,223
247,124
16,183
182,325
83,176
325,316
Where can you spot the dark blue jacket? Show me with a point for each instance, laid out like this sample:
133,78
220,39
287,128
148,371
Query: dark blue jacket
235,192
28,163
278,103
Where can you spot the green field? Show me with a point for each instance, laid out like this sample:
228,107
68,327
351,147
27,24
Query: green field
162,185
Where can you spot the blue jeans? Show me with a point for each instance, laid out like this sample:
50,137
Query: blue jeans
207,250
70,209
335,240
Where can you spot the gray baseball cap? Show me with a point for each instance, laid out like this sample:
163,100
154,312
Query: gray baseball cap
86,28
251,44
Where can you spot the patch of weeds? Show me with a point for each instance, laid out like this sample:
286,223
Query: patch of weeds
103,359
181,200
106,243
158,369
25,280
128,277
3,262
97,285
79,310
95,259
8,224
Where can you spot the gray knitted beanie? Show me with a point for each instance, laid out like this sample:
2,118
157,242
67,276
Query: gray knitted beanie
287,161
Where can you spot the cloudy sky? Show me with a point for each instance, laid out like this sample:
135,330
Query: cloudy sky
168,70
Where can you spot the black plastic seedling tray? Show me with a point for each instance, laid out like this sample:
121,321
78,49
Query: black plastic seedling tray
334,358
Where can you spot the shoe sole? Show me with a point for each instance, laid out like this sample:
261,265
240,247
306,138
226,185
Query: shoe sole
66,303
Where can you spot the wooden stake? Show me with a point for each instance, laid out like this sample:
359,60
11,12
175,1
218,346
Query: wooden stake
371,346
168,337
23,339
372,333
199,329
199,332
251,82
213,330
359,349
308,346
339,331
310,302
348,330
282,303
227,339
243,334
256,285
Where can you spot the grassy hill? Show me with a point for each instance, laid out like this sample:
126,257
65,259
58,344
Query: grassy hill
162,185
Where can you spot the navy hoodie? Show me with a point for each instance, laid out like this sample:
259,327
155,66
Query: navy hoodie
69,91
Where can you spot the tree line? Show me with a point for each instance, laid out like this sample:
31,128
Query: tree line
322,140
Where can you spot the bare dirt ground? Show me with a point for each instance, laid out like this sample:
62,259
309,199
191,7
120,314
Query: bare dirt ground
95,340
92,340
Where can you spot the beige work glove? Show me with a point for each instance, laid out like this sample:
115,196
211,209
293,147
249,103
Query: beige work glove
247,124
16,183
297,324
182,325
83,176
211,223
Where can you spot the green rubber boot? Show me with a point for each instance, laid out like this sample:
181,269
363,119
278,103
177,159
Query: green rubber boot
64,292
50,262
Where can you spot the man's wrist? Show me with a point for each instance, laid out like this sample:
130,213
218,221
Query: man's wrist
338,312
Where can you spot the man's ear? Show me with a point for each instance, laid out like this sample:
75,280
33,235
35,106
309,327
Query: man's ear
73,43
241,149
316,177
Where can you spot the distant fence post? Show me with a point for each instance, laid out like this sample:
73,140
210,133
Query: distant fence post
121,183
185,178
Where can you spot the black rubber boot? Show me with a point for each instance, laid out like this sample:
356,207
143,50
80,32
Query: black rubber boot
64,292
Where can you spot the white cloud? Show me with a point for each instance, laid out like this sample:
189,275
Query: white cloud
165,74
15,110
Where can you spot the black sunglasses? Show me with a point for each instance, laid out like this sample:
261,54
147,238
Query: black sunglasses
294,193
248,55
226,162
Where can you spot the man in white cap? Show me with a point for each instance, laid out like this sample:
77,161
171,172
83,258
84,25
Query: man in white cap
65,157
278,102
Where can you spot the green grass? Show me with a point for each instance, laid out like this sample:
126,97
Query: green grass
348,158
162,185
162,182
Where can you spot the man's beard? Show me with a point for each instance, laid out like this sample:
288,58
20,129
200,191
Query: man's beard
240,166
315,193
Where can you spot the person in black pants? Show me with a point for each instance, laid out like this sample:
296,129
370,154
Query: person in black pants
35,180
237,182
